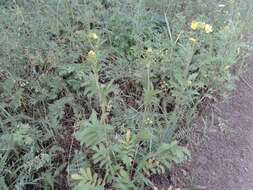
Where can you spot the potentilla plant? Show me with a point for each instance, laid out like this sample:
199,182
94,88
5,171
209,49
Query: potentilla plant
100,94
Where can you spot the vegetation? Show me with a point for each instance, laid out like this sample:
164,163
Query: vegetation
98,94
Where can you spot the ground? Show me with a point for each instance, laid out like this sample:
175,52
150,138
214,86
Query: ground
225,160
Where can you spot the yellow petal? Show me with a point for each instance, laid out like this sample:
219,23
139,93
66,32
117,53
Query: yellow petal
193,40
93,36
208,28
189,82
128,135
76,177
92,55
227,67
149,50
194,25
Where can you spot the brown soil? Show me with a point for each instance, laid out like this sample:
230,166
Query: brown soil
225,160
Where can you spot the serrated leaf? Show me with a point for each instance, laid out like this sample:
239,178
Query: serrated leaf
56,110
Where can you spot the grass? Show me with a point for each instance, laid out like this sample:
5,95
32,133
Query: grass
97,94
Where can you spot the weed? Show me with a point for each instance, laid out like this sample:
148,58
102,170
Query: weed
95,94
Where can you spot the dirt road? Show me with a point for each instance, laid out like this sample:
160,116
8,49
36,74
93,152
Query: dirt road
225,162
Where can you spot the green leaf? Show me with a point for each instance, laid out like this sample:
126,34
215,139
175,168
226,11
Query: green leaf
56,110
93,131
3,184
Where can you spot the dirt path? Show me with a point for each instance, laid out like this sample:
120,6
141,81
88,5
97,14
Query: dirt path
225,162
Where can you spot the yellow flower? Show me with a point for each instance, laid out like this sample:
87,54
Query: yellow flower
195,25
148,121
128,135
76,177
238,50
201,25
92,55
208,28
221,5
189,82
193,40
149,50
93,36
227,67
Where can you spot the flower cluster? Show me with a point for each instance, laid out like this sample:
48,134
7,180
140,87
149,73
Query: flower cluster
148,121
195,25
193,40
92,55
93,36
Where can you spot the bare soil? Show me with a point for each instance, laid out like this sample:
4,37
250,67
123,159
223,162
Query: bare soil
225,160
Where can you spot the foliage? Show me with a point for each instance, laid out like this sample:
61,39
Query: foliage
93,93
124,162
